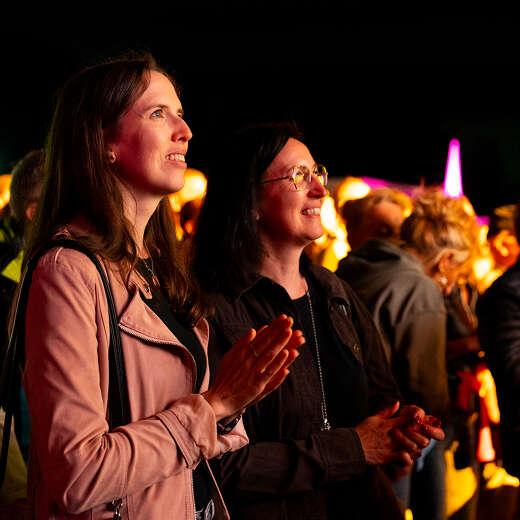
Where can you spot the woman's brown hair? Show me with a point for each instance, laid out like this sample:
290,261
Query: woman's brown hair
80,180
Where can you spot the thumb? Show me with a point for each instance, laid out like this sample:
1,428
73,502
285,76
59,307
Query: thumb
389,411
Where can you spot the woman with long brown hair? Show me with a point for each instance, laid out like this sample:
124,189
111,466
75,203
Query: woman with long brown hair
116,148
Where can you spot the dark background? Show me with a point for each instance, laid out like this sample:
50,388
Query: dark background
375,97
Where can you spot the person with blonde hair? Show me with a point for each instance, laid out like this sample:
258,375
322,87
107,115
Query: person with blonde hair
403,287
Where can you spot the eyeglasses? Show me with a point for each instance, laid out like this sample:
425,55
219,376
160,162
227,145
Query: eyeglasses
301,176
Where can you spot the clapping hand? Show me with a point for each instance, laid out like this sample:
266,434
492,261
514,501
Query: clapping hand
255,366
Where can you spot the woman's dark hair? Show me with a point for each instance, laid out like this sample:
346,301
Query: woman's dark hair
227,248
80,180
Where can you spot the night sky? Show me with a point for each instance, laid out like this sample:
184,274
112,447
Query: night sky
375,98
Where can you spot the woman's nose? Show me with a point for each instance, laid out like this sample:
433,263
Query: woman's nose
316,187
181,130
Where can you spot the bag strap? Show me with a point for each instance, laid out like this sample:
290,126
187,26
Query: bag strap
14,357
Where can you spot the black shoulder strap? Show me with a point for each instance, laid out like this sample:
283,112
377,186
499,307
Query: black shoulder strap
14,357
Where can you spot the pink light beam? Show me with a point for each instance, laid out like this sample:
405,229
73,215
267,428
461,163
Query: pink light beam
453,177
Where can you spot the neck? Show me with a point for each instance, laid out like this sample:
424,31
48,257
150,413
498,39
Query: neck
282,265
138,211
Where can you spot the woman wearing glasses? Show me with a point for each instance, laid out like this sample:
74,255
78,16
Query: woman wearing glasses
318,442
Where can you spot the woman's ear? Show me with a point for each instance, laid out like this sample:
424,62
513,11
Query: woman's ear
30,211
111,157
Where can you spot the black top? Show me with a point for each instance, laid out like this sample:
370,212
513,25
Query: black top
345,385
159,304
291,469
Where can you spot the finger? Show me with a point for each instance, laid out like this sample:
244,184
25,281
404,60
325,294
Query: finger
421,440
432,432
415,412
397,422
291,357
273,384
278,362
389,410
297,340
403,441
245,340
269,333
271,342
431,420
276,381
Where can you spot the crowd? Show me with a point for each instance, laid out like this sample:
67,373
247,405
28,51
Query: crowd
231,375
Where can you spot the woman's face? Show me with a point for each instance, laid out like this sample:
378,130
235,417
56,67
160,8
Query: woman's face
288,216
152,140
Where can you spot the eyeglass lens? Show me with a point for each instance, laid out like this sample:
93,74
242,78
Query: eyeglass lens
302,176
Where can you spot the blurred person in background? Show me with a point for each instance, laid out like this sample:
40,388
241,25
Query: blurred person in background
26,185
378,215
502,238
403,280
319,443
498,311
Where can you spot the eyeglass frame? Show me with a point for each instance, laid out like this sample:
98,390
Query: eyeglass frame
293,169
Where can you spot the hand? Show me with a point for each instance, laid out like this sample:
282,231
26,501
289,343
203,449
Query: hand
377,441
415,434
256,365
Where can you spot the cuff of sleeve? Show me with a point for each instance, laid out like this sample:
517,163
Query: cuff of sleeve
192,424
343,454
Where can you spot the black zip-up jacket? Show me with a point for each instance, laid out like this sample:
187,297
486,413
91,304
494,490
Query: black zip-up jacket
290,466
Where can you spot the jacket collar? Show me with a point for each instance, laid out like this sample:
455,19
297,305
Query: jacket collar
136,317
331,284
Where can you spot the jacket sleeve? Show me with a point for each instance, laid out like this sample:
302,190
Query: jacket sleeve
82,462
281,467
292,466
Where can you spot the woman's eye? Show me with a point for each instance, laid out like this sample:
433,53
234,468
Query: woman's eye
158,113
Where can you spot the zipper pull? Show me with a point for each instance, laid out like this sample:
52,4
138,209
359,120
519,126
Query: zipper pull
115,506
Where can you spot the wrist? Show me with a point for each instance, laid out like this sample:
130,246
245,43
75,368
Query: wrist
216,405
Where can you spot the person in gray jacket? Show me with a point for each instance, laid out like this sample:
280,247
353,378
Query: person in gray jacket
402,284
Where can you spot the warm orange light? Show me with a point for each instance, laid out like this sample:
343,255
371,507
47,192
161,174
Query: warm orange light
194,188
333,241
350,188
5,194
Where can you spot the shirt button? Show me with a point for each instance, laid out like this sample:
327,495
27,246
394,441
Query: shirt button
355,348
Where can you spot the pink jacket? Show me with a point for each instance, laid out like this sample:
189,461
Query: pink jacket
76,466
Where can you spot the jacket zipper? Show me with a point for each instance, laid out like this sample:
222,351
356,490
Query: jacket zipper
164,342
193,496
